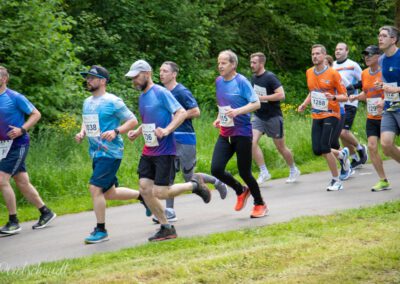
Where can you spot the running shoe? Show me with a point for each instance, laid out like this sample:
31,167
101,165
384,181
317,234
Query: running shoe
242,199
334,185
222,189
201,188
259,211
363,153
44,220
293,175
169,213
345,160
164,234
356,164
381,185
263,178
97,236
10,228
344,175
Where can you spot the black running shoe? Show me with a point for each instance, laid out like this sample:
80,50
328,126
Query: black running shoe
363,153
10,228
164,234
44,220
356,164
201,189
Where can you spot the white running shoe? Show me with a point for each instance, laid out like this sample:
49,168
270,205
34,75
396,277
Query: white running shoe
345,160
263,178
293,176
334,185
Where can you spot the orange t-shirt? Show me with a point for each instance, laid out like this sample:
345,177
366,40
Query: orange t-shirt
328,81
372,93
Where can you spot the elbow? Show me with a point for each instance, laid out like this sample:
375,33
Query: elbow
257,105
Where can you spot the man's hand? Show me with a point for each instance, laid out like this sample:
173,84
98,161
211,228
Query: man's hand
15,132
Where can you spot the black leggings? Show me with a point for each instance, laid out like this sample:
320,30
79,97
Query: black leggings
223,152
322,134
336,134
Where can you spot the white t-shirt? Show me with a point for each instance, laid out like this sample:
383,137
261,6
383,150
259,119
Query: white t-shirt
350,72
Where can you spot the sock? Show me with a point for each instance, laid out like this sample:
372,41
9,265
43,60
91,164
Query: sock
44,210
13,218
101,226
166,226
355,157
340,156
195,185
335,178
140,198
264,169
293,167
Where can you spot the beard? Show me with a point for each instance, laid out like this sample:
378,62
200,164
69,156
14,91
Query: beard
141,87
91,88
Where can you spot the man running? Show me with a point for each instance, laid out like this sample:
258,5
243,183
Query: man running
161,114
103,113
236,99
14,146
269,119
351,72
326,91
390,64
185,135
372,95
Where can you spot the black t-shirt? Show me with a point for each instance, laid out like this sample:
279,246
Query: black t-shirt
266,84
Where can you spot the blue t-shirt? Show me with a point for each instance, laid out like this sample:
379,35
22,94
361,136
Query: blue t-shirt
157,106
110,111
184,134
236,93
391,72
13,108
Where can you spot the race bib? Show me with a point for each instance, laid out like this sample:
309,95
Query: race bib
224,120
319,101
5,146
372,106
92,125
149,135
392,97
260,91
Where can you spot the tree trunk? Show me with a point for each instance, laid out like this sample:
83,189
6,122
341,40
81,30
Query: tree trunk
397,15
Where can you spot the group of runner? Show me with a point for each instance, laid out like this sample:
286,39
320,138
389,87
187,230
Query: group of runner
170,142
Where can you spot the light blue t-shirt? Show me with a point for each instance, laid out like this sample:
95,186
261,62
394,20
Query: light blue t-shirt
110,112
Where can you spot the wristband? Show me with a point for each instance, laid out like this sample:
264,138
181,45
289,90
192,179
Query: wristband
23,130
334,98
116,131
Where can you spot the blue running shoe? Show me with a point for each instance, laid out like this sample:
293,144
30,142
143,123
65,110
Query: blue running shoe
346,162
97,236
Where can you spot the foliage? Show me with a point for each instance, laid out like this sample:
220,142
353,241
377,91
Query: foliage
36,48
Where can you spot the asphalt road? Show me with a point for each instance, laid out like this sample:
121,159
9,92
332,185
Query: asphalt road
128,226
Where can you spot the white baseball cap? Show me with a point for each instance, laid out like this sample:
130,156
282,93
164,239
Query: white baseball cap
137,67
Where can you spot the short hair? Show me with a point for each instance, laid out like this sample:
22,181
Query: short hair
392,31
347,48
4,72
260,55
232,57
173,65
323,49
329,59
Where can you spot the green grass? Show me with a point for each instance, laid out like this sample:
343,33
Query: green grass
60,169
354,246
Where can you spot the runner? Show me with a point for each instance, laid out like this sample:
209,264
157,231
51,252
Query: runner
269,119
372,95
102,115
390,64
161,114
351,72
326,91
341,153
14,146
236,99
185,136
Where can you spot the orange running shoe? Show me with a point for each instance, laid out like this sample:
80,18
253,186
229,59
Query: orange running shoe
259,211
242,199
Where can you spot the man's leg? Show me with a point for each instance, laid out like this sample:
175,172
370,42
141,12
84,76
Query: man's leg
388,145
8,193
28,190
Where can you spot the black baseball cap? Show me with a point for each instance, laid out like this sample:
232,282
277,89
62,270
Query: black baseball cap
97,71
371,50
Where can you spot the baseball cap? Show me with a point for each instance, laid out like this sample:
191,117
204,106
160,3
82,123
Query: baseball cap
137,67
371,50
97,71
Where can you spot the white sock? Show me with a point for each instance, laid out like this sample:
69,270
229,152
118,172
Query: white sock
264,170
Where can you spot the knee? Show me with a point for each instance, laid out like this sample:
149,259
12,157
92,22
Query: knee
372,146
4,180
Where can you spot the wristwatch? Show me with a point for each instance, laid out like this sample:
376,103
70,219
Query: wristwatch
23,130
334,98
116,131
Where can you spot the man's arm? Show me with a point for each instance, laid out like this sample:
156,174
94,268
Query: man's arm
33,118
177,119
